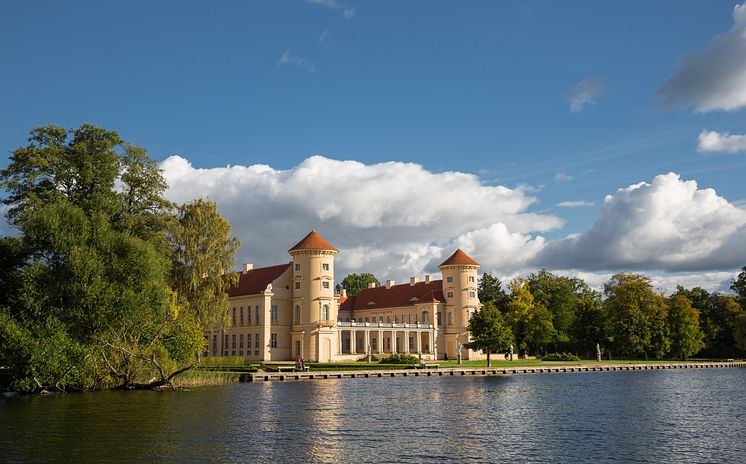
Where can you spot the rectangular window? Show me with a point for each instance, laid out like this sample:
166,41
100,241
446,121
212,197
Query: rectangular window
256,342
274,314
297,267
240,342
411,343
273,340
297,285
234,318
450,295
297,314
374,344
325,284
248,343
388,319
472,295
380,319
449,279
225,346
367,320
450,318
440,319
233,345
241,315
471,279
215,344
248,315
257,315
325,267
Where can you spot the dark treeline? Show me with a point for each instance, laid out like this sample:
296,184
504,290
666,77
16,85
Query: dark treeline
545,312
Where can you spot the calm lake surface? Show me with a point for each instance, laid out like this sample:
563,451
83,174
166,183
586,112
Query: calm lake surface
648,416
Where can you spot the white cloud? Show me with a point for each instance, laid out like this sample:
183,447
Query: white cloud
669,224
666,283
288,58
575,204
347,11
393,219
324,36
713,79
584,93
562,177
5,227
712,141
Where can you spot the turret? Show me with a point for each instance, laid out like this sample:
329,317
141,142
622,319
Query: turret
313,280
460,292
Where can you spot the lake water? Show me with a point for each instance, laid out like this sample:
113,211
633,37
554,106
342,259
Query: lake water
649,416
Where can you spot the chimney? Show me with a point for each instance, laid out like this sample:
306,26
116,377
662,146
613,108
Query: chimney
389,283
371,285
247,267
412,281
427,278
344,293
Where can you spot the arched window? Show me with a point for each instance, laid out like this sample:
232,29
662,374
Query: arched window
425,317
325,313
297,314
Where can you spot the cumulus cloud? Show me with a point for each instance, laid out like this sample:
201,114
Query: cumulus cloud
393,219
585,93
715,78
669,224
666,283
288,58
347,11
712,141
575,204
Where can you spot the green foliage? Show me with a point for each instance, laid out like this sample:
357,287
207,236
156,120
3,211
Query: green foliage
353,283
87,299
560,357
490,290
531,323
588,326
683,323
560,295
636,316
489,331
399,358
739,286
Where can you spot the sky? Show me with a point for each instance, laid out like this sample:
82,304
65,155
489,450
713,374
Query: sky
583,137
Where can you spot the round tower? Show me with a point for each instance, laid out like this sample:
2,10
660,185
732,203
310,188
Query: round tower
314,308
461,300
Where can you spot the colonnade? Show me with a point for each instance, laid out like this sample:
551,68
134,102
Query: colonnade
386,338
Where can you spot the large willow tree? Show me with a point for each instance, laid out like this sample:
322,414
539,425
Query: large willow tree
88,293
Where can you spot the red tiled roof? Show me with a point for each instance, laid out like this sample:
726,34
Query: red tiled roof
459,258
397,295
313,241
256,280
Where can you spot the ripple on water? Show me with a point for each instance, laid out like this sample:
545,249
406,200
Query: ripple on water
658,416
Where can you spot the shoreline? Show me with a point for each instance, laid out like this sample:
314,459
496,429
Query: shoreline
480,371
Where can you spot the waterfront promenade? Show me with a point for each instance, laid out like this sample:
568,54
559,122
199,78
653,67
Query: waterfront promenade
479,371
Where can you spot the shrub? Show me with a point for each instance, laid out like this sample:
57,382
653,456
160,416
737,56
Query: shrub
400,358
560,357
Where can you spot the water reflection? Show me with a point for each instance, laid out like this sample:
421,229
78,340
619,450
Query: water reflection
661,416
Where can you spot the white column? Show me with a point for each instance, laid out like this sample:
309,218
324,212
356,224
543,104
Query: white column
393,341
406,341
419,342
380,341
367,340
339,335
353,339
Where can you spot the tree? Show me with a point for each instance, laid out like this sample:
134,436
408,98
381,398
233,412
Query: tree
739,286
89,299
490,290
588,326
531,323
635,316
683,323
353,283
489,331
560,295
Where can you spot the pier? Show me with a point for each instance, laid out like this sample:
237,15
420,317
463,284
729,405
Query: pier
477,371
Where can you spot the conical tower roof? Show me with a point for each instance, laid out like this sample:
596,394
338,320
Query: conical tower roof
313,241
459,258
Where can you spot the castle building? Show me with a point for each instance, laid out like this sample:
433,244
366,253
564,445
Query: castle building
283,312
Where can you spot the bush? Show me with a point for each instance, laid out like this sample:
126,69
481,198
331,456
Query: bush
560,357
400,358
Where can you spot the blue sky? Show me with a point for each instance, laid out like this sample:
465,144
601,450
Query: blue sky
482,88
